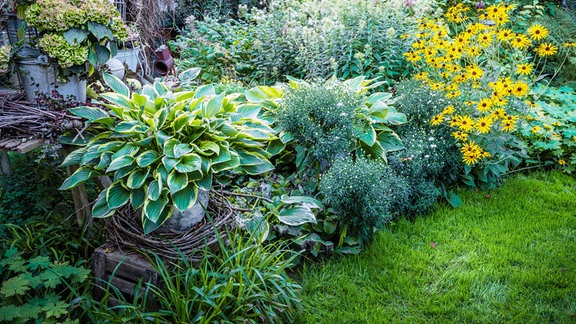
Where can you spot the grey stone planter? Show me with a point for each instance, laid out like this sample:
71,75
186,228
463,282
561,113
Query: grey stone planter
184,220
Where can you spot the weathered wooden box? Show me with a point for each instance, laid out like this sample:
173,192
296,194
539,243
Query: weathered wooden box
122,270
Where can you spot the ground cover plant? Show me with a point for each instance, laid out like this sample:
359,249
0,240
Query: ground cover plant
504,256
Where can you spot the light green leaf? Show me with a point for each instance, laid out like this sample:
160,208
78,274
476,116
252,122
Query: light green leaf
169,163
146,158
207,146
120,162
15,286
116,84
150,226
258,169
304,200
117,196
177,181
367,135
137,178
390,141
137,197
101,208
89,113
154,190
186,197
182,149
296,216
154,208
205,91
188,163
118,99
78,177
213,106
74,157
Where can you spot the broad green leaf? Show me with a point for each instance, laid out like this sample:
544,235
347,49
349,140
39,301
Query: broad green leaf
101,208
188,163
249,158
146,158
116,84
169,146
150,226
376,151
137,197
169,163
232,163
395,118
130,127
213,106
182,149
390,141
102,54
118,99
100,31
177,181
367,135
154,208
304,200
137,178
120,162
181,121
274,147
255,134
78,177
207,146
185,198
206,182
121,173
222,157
140,100
75,36
247,111
117,196
74,157
154,190
89,113
205,91
149,91
259,168
355,84
105,160
190,74
296,216
161,88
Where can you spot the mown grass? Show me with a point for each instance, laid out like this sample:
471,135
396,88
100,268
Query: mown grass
509,256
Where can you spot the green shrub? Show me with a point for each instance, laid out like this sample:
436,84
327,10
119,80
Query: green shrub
363,194
430,161
321,118
304,39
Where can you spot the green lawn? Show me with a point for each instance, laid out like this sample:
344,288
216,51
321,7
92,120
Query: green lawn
509,256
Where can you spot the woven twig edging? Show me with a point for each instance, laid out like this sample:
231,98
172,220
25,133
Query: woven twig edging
124,230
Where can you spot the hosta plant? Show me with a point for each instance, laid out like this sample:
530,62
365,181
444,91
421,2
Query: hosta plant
161,147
